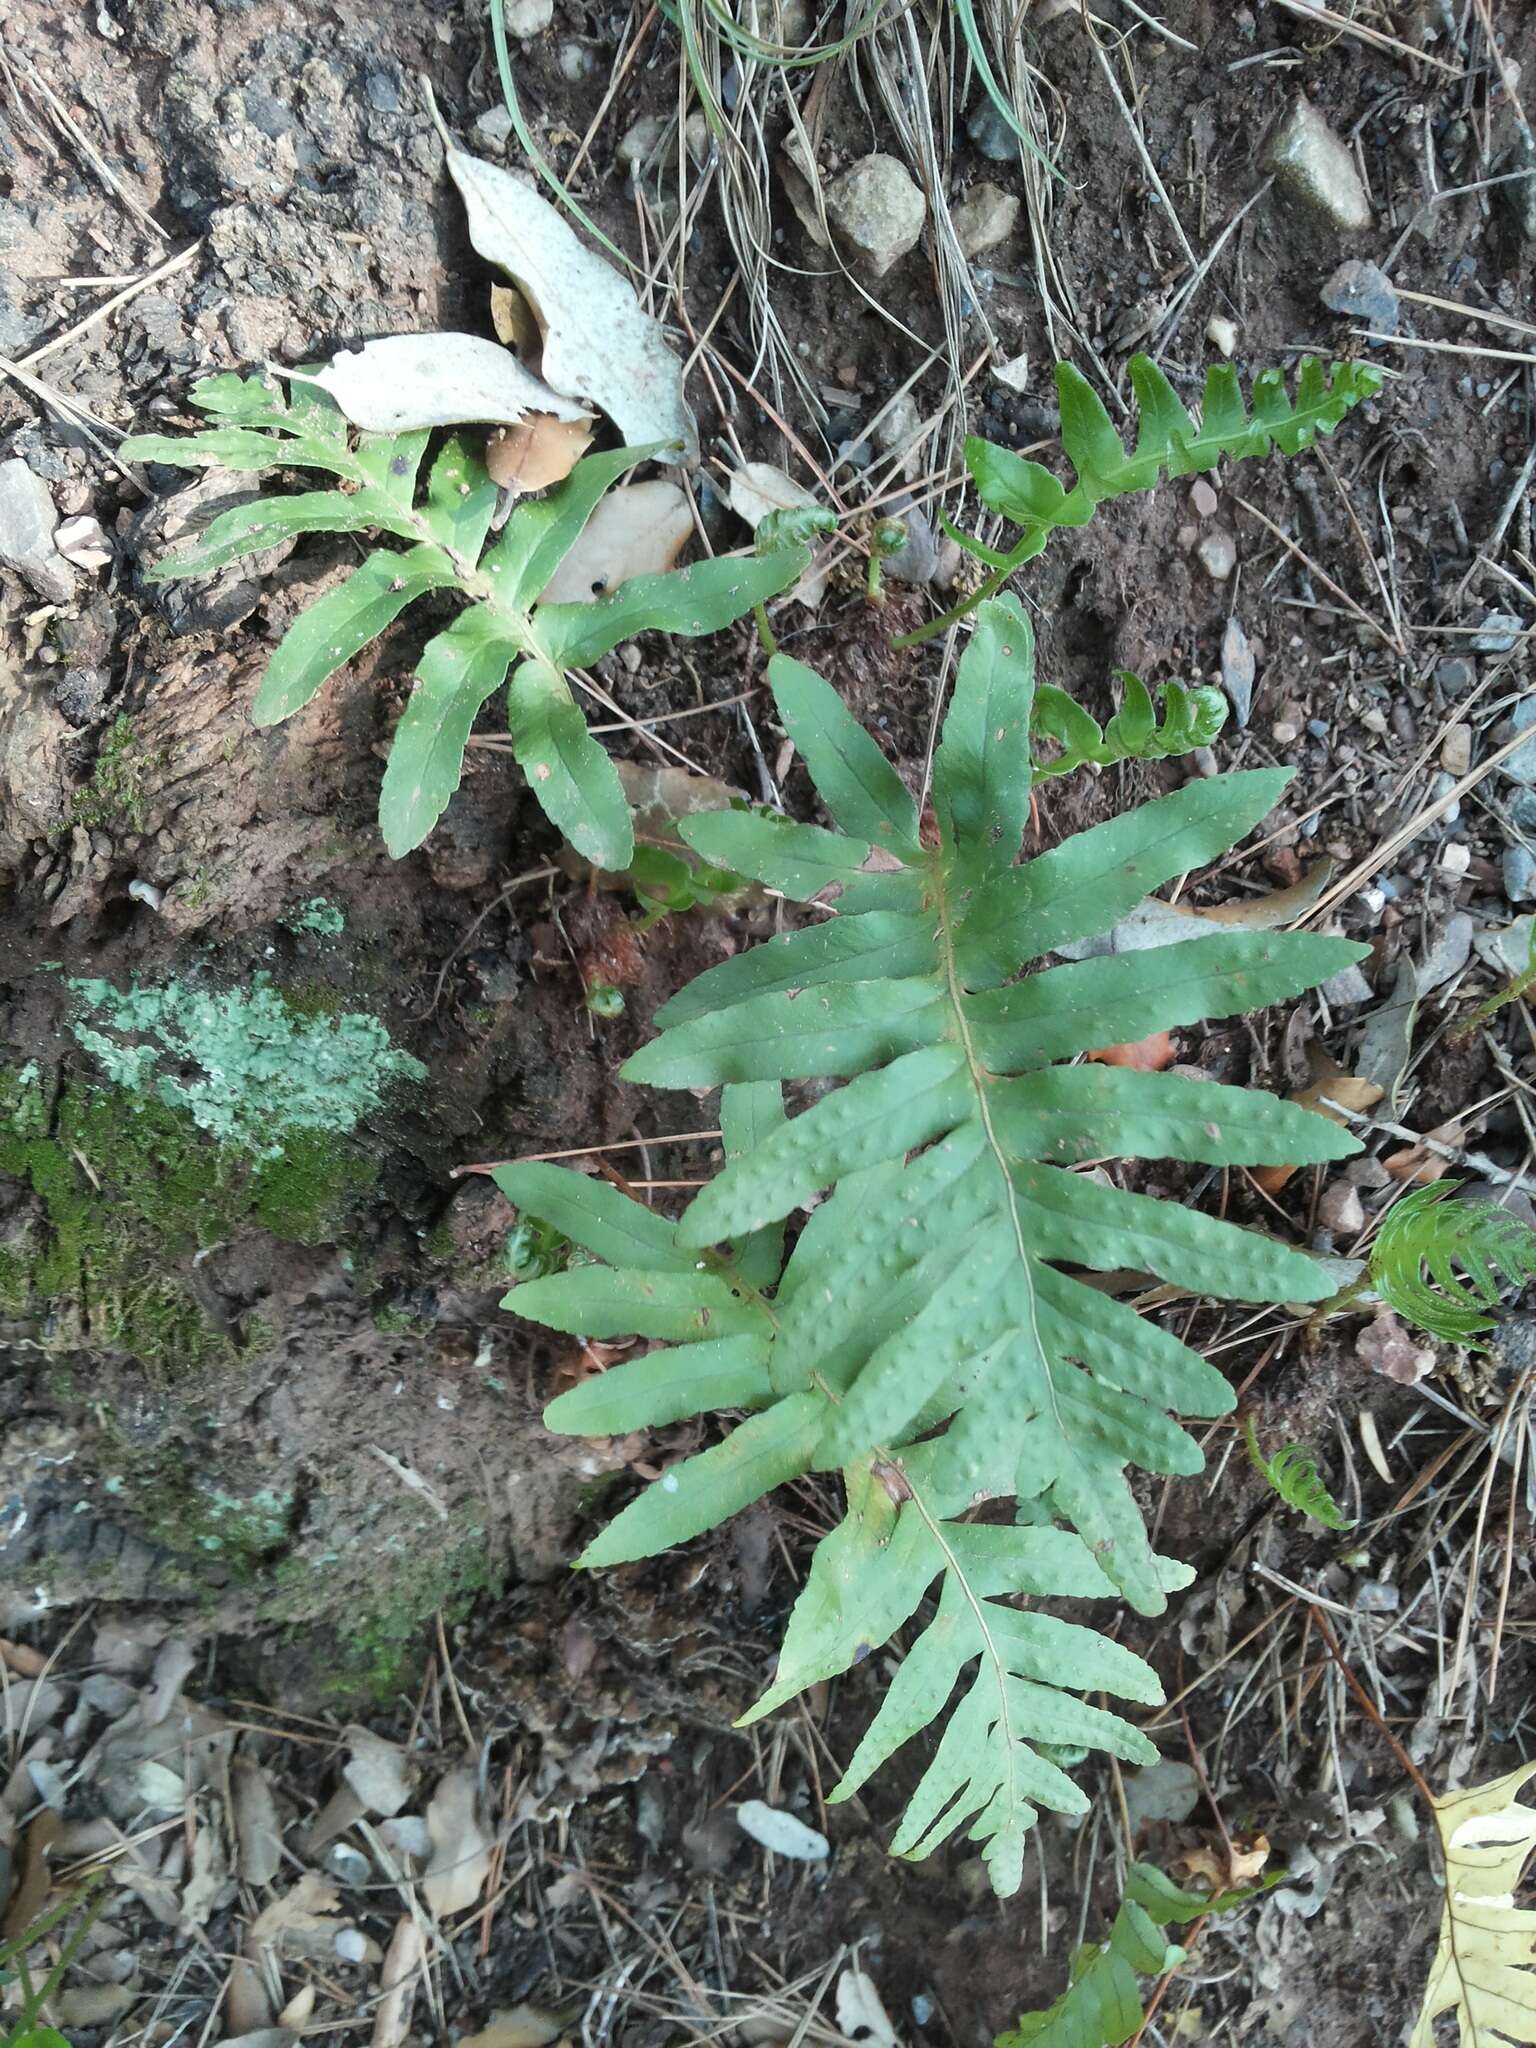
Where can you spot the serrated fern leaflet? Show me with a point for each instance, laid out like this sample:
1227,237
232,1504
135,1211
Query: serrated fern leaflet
505,636
930,1333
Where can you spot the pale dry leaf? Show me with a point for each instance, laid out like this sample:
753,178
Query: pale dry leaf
258,1831
861,2016
1155,923
513,323
247,2008
519,2026
92,2005
538,452
782,1832
1386,1347
174,1663
1484,1968
377,1771
435,380
759,489
636,530
208,1881
299,2010
305,1921
398,1984
599,343
461,1850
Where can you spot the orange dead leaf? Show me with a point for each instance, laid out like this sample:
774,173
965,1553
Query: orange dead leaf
539,451
1417,1164
1224,1866
1146,1055
1331,1090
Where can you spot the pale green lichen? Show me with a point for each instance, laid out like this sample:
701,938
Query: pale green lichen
319,914
266,1070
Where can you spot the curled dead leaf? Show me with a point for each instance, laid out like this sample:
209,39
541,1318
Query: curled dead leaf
1331,1091
1224,1866
1419,1164
461,1849
636,530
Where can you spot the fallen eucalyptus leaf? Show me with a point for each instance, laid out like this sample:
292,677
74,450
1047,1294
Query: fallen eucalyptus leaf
759,488
520,2026
599,343
461,1850
434,380
636,530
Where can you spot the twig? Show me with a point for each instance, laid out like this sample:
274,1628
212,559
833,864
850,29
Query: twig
110,306
1370,1706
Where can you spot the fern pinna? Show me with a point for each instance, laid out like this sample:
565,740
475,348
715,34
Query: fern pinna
926,1334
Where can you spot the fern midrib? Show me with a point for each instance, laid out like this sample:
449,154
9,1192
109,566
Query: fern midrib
981,1080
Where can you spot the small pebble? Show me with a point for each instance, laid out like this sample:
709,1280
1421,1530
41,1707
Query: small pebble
1341,1209
1455,675
1283,733
1363,292
1218,555
1377,1596
351,1946
1318,727
1497,634
1221,333
1205,761
1203,498
1456,750
1519,874
1455,858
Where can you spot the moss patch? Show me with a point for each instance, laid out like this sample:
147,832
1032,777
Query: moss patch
115,795
128,1191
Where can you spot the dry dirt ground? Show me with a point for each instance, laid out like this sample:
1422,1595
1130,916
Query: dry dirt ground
292,1426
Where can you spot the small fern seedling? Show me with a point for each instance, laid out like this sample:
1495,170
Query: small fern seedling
1444,1263
928,1334
1168,443
1101,2007
503,628
1292,1473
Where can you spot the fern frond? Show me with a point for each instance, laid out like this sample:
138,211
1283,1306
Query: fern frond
505,629
1190,718
1292,1473
1426,1237
1485,1963
1169,442
1101,2007
926,1334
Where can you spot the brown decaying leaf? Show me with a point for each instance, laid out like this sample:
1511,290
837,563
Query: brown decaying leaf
1145,1055
1330,1085
1224,1866
1417,1164
540,451
398,1984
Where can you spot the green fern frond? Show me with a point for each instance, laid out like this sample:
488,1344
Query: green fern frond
449,546
1169,442
1426,1237
1293,1474
1101,2007
926,1334
1190,718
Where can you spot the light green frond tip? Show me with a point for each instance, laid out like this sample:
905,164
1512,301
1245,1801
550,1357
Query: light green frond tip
1293,1474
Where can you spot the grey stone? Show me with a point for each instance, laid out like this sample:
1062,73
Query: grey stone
1519,195
917,559
81,694
1238,669
897,427
1348,986
992,135
641,142
1365,293
877,212
1455,675
1456,750
1497,633
575,60
529,17
1522,810
27,523
985,216
494,126
1313,165
1521,765
1377,1596
1168,1790
1519,875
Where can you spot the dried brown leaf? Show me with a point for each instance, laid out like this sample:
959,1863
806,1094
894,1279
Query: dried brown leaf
461,1850
538,452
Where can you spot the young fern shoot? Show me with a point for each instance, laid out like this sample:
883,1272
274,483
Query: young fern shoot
503,628
928,1335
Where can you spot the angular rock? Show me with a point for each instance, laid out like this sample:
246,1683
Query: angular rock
28,521
1519,195
1218,555
529,17
1238,669
1364,292
1521,765
877,211
1519,874
985,216
1312,164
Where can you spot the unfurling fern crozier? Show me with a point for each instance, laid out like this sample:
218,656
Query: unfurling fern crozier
928,1334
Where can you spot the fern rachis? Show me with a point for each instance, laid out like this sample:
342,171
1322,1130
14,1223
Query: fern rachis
923,1335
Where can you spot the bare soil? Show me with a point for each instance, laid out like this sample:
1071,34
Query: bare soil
358,1451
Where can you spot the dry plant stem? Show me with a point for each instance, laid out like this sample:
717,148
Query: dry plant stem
1325,17
110,306
1374,1713
585,1151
